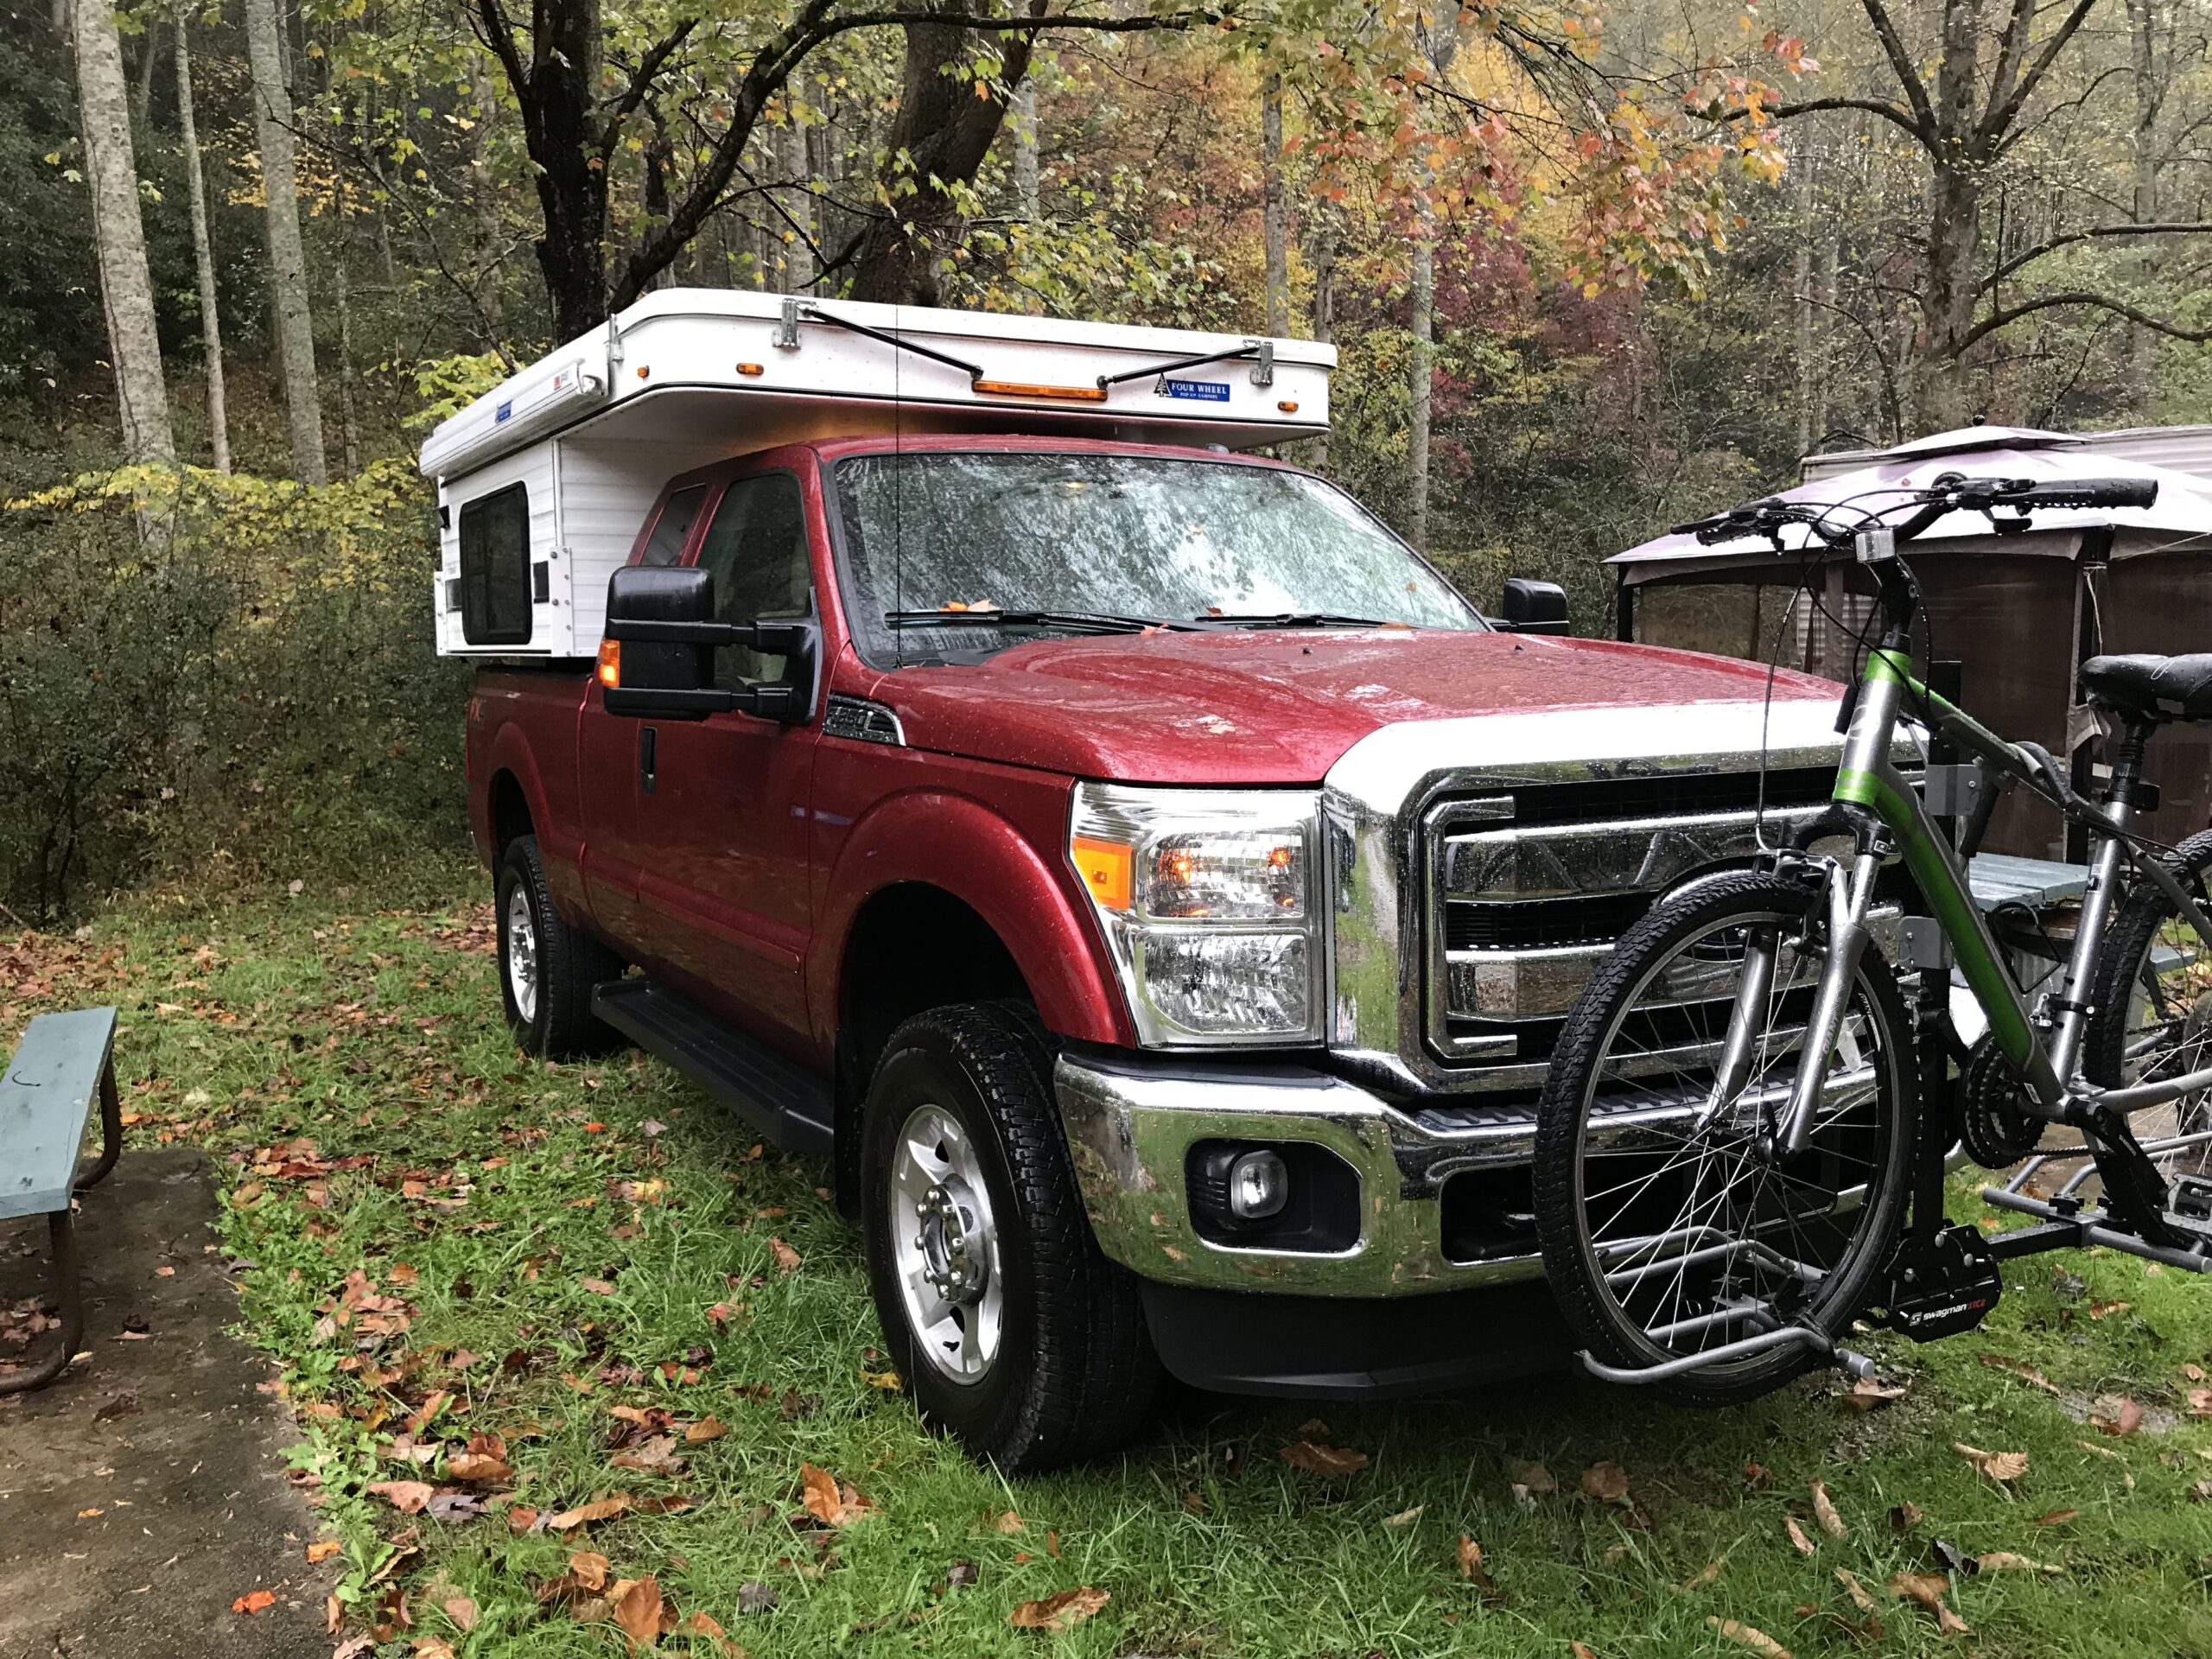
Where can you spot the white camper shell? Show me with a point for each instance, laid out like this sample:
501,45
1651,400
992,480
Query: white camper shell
543,482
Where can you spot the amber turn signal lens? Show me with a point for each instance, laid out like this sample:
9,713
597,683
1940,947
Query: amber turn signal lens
1288,405
610,663
748,368
1023,389
1106,867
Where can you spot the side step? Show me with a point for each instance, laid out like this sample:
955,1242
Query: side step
789,1104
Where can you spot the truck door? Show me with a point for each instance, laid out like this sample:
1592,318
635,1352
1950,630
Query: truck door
721,824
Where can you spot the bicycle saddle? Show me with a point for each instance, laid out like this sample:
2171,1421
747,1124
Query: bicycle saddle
2162,688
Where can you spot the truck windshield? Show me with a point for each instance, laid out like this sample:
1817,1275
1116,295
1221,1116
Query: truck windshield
1061,542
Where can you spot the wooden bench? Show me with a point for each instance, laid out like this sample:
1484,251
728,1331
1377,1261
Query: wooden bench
46,1099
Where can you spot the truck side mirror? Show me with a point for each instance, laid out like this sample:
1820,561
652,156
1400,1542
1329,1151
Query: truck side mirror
658,659
1528,607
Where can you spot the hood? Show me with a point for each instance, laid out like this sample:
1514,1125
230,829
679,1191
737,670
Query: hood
1264,707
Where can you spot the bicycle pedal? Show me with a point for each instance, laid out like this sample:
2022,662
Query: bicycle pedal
2189,1202
1942,1286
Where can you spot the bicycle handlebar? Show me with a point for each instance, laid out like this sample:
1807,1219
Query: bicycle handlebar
1952,493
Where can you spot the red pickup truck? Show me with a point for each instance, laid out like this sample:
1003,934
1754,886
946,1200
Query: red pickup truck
1140,876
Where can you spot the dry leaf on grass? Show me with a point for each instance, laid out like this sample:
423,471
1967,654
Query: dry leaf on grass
1471,1563
1312,1456
1869,1392
461,1610
477,1466
787,1259
1904,1516
1529,1479
1704,1575
1606,1482
1746,1636
2002,1467
408,1496
2021,1369
2004,1561
1580,1650
2100,1310
1824,1512
589,1568
830,1501
1929,1589
707,1429
322,1549
1797,1535
2054,1517
2125,1418
1009,1523
431,1646
1856,1590
637,1611
1403,1518
600,1508
1061,1613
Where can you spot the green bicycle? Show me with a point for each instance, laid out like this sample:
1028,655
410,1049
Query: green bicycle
1744,1109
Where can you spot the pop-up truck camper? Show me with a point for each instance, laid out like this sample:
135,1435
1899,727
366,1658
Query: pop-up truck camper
1143,880
543,482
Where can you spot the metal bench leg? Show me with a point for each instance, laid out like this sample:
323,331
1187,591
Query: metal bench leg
111,1130
69,1290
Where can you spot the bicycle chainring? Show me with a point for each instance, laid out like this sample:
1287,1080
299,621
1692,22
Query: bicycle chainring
1995,1130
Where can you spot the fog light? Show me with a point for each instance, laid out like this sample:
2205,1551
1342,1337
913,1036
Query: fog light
1259,1185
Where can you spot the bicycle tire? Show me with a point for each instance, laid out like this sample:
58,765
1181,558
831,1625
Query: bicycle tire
1585,1298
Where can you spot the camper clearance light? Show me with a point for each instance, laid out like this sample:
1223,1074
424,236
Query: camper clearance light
1021,388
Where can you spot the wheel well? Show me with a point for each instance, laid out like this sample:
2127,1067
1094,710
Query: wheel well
510,812
911,947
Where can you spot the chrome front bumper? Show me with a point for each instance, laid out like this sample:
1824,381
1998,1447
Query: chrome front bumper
1130,1128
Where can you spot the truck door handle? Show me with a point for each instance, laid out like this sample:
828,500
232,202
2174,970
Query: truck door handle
648,744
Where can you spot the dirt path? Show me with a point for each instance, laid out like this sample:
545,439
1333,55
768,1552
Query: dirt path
143,1493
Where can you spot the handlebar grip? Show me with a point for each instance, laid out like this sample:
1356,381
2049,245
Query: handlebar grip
2095,492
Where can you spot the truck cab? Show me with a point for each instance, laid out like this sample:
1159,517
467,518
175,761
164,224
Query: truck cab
1150,887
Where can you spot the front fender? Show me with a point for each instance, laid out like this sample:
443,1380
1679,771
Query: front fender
955,843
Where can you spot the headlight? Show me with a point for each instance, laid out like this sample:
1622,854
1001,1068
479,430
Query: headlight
1207,899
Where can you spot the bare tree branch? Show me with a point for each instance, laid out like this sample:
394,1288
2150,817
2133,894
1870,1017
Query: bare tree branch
2007,315
641,81
2031,255
2003,112
1915,90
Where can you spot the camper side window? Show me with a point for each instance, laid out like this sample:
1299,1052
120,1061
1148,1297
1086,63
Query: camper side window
756,547
495,567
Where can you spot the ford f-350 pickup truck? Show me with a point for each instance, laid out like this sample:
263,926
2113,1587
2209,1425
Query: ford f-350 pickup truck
1146,880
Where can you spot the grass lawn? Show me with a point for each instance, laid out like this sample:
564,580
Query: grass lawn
522,1286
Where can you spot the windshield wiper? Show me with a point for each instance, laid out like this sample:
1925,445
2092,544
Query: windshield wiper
1099,622
1300,620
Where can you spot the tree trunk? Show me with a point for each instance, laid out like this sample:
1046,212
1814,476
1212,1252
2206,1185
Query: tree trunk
288,260
203,252
149,52
1422,366
793,162
119,236
946,130
1325,301
1026,196
349,421
483,193
2143,143
558,122
1272,230
1942,391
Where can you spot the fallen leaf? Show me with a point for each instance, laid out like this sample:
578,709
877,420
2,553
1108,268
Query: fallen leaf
1403,1518
1758,1474
1606,1482
477,1466
787,1259
1929,1589
1009,1523
2100,1310
431,1646
2126,1418
1904,1516
2020,1369
707,1429
408,1496
2201,1491
1855,1590
2054,1517
1748,1637
1797,1535
701,1624
637,1611
2104,1452
589,1568
2200,1402
1532,1478
600,1508
598,1287
1471,1563
322,1549
1312,1456
462,1611
1867,1392
1581,1651
2001,1466
1061,1613
1704,1575
255,1601
2004,1561
827,1501
1824,1512
754,1596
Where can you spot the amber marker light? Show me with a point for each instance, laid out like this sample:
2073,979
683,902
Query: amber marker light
749,368
644,371
610,663
1022,389
1106,867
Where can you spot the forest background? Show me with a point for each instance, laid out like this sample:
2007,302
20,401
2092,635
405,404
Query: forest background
1591,267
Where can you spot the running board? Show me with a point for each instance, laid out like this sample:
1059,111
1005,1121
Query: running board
789,1104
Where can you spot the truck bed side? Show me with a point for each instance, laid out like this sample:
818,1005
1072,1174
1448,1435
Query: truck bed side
523,730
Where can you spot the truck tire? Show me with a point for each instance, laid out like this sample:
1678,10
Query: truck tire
547,969
1013,1332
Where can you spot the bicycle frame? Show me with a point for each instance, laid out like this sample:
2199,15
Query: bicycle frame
1867,781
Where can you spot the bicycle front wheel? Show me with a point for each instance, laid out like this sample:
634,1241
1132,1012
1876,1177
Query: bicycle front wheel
1667,1229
